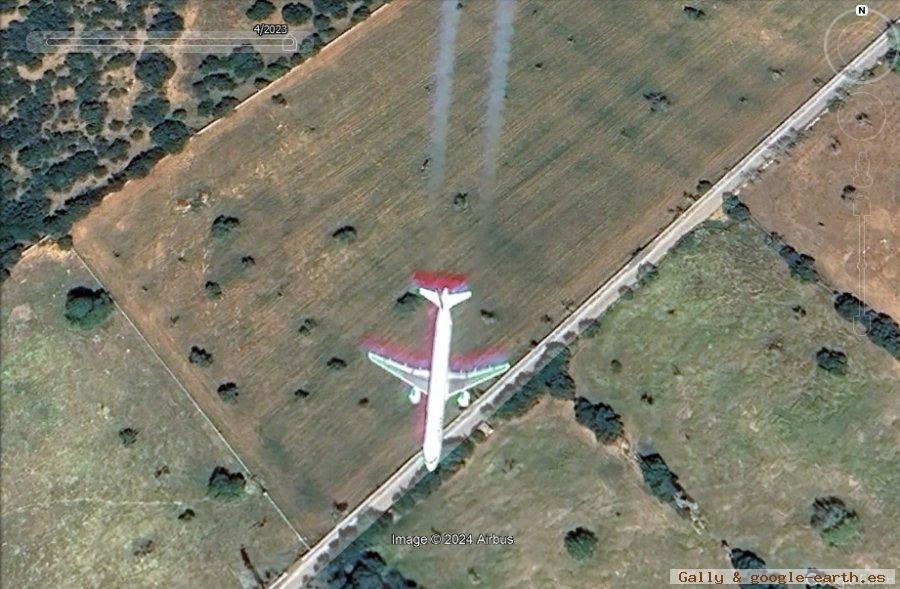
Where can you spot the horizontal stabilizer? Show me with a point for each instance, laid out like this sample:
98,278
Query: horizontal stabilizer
438,281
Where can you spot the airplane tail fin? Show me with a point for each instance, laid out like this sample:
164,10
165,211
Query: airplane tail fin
443,290
444,300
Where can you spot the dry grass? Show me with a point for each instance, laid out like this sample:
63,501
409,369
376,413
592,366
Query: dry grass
723,343
802,197
74,497
716,372
587,174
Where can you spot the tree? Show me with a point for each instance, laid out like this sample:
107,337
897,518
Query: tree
296,13
171,135
835,522
154,68
600,419
260,10
833,361
86,307
224,485
580,543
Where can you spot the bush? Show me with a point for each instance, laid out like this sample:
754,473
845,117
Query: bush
693,13
333,8
260,10
86,307
153,69
880,328
600,419
360,568
223,225
553,379
407,303
93,113
833,361
581,543
118,60
745,559
802,266
228,392
200,357
224,485
662,482
734,208
296,13
345,234
166,21
835,522
170,135
149,107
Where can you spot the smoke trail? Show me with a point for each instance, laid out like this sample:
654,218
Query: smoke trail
443,84
502,38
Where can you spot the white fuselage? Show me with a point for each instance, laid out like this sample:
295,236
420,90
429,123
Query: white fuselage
438,387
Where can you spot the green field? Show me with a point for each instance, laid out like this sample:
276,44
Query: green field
105,461
712,365
590,168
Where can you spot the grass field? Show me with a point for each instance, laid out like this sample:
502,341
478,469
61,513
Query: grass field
587,174
710,366
845,169
105,462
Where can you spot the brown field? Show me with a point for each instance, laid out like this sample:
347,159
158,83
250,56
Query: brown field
75,500
587,174
803,197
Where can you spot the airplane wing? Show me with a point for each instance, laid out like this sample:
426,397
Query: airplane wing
463,380
414,377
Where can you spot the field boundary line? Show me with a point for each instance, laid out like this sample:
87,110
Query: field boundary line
595,305
193,401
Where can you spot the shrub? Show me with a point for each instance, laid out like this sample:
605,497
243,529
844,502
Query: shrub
581,543
223,225
154,68
833,361
335,363
118,60
296,13
734,208
200,357
358,567
407,303
801,265
662,482
693,13
835,522
880,328
213,289
170,135
140,165
93,113
128,436
166,21
150,107
334,8
260,10
228,392
345,234
600,419
86,307
224,485
658,101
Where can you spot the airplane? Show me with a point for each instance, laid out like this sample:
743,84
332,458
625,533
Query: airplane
438,380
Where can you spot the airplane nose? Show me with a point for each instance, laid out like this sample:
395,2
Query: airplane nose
431,462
